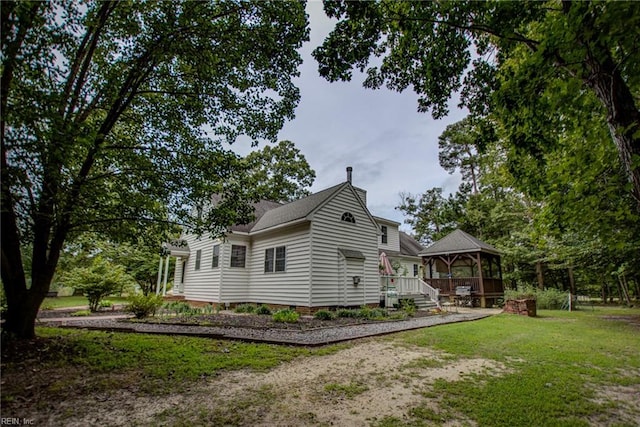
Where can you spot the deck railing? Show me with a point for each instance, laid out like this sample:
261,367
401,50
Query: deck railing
448,286
409,286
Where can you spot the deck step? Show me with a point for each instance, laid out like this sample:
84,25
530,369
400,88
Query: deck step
422,302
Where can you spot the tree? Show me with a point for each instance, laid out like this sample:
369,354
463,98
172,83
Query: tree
521,49
459,146
101,279
279,173
113,115
431,215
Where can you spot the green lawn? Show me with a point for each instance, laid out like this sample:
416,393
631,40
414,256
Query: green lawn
77,301
560,369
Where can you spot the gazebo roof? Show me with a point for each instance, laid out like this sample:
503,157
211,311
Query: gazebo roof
458,242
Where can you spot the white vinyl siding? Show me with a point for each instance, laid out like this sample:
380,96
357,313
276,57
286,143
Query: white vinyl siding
202,284
275,259
238,256
235,280
332,282
393,238
215,257
291,286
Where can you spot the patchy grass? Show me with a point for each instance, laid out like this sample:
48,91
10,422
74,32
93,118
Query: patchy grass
77,301
61,360
558,363
344,391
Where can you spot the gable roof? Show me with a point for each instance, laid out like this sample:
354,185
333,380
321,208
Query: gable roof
458,242
409,245
259,209
296,210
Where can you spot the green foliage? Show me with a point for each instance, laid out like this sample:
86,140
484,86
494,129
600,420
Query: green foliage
347,313
81,313
99,280
245,308
279,173
408,306
108,104
105,304
521,54
325,315
142,306
286,316
547,299
263,309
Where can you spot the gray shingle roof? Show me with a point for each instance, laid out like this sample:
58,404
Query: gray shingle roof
298,209
458,242
259,209
409,245
350,253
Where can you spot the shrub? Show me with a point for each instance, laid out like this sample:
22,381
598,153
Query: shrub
99,280
286,316
408,306
344,312
263,309
142,306
178,307
549,299
378,313
245,308
105,304
324,315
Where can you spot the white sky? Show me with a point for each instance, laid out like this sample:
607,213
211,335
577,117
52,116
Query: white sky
391,147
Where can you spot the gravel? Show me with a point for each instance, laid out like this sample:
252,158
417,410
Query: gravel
311,337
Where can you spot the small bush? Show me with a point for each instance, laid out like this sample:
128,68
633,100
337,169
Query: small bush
245,308
547,299
142,306
263,309
378,313
324,315
286,316
408,306
105,304
344,312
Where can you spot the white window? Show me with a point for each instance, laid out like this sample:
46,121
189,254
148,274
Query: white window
238,255
385,238
198,258
348,217
215,261
275,259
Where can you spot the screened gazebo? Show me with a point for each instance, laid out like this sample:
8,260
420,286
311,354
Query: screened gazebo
460,262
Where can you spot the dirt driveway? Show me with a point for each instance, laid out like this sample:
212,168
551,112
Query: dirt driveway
356,386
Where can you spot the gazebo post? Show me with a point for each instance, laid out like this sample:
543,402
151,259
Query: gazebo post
483,301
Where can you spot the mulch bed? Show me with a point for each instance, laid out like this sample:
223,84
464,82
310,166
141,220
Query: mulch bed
256,321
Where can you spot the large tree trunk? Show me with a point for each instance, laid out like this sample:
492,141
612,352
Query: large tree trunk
540,275
602,74
22,313
572,281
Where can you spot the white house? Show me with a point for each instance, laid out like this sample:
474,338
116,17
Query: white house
318,252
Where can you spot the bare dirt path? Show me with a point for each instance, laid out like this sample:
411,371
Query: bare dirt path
357,386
